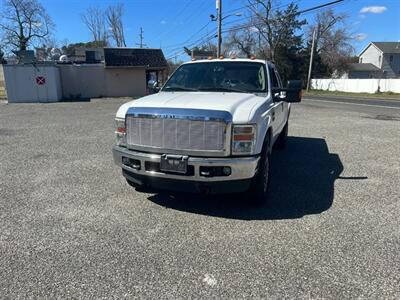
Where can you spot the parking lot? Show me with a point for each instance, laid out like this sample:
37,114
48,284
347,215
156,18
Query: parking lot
71,227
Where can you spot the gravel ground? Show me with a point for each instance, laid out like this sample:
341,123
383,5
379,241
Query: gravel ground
72,228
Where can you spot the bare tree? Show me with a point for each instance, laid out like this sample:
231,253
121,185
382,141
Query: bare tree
114,14
333,41
276,27
241,41
94,19
24,22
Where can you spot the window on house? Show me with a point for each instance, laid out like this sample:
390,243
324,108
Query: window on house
380,59
360,60
391,58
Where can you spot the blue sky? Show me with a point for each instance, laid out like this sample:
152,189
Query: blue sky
170,22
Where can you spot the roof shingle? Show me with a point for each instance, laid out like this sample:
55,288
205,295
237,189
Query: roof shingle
134,57
388,47
362,67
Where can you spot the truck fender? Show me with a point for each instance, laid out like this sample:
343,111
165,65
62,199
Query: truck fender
265,129
268,133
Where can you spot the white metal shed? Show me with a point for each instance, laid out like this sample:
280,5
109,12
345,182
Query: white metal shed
32,83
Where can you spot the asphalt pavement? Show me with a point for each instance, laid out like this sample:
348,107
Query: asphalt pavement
71,227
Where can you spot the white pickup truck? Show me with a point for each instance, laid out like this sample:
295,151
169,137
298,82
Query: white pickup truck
210,129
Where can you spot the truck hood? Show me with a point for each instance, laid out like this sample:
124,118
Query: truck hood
240,105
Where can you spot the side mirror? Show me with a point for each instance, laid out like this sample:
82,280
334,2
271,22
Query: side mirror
279,95
293,91
152,85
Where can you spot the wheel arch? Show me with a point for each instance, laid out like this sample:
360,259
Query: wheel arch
268,134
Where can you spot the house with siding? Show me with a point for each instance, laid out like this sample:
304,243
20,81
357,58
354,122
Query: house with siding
362,71
385,56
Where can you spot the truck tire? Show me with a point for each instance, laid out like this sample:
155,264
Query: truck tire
282,138
260,185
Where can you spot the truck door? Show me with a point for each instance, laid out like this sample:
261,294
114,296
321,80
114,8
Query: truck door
278,109
284,105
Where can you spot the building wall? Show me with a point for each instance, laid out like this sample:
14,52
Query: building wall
371,55
357,85
3,94
92,81
391,68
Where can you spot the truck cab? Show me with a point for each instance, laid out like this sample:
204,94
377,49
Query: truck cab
211,128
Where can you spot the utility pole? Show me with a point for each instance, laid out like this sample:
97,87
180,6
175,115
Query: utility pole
219,17
141,38
259,34
311,58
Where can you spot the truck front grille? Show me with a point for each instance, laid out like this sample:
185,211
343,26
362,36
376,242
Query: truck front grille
178,130
175,134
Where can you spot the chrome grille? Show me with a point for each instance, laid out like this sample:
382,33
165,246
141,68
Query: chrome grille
175,134
165,131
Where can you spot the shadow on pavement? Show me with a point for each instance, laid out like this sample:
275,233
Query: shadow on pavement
302,183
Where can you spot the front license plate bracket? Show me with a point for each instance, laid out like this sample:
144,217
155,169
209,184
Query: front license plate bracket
174,163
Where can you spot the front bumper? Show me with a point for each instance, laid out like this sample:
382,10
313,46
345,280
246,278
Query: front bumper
243,169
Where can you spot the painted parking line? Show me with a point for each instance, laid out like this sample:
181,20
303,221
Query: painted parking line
349,103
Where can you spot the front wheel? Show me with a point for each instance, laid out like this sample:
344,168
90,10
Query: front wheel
260,185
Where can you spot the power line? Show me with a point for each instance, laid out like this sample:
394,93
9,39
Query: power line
252,5
193,43
190,38
225,24
196,43
174,18
297,13
228,23
197,32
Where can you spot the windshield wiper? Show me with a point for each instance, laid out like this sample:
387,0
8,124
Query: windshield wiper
222,89
177,88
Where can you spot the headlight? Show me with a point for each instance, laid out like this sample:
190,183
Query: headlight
120,137
243,139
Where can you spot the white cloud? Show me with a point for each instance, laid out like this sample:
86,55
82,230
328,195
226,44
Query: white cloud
163,22
373,9
360,36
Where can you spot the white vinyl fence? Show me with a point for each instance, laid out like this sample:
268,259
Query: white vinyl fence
357,85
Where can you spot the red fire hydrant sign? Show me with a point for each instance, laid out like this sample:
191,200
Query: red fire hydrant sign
40,80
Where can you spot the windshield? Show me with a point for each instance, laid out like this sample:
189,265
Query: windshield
242,77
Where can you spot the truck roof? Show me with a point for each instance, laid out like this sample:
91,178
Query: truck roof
228,60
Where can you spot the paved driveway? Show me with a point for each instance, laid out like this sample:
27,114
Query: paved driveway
72,228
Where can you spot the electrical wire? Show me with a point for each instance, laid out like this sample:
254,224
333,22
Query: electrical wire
190,38
168,30
252,25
